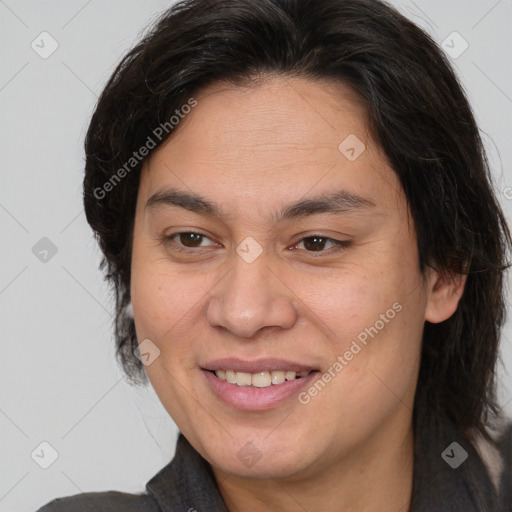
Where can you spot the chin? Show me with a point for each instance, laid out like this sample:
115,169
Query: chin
261,455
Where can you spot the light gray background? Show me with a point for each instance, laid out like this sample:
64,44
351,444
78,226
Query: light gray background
58,381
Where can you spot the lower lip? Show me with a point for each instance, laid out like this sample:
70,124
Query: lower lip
249,398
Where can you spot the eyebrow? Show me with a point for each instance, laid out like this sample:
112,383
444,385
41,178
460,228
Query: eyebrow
340,201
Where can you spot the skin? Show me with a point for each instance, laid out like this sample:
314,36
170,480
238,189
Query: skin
254,150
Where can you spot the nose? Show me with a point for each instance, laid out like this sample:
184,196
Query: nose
250,298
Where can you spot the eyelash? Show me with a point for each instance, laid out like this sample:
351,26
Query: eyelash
342,244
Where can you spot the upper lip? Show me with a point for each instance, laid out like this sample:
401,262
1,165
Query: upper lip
256,365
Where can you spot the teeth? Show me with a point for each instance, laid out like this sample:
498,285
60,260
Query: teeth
278,377
243,379
258,380
230,377
261,380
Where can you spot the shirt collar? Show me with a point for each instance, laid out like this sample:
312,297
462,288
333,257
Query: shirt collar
187,483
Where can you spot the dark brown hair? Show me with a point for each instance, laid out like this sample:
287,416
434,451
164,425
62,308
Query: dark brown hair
418,113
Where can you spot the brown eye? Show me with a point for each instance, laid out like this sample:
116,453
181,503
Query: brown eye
186,240
189,239
317,243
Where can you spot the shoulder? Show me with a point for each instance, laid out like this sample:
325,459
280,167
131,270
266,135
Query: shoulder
114,501
497,457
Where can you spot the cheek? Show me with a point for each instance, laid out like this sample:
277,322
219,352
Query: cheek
169,307
344,301
153,303
373,308
161,302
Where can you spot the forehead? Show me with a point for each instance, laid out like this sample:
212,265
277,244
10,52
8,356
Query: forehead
273,142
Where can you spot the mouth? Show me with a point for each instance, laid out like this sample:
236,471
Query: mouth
256,385
262,379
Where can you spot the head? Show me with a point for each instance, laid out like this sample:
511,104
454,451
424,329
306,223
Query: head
323,166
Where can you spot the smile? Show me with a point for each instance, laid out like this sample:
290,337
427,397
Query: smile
260,379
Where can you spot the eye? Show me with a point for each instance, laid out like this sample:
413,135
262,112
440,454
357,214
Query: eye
317,243
187,240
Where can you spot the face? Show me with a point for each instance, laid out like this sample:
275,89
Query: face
272,236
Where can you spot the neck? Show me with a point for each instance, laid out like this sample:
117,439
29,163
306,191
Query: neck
376,476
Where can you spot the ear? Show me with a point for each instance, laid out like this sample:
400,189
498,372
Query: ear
443,296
